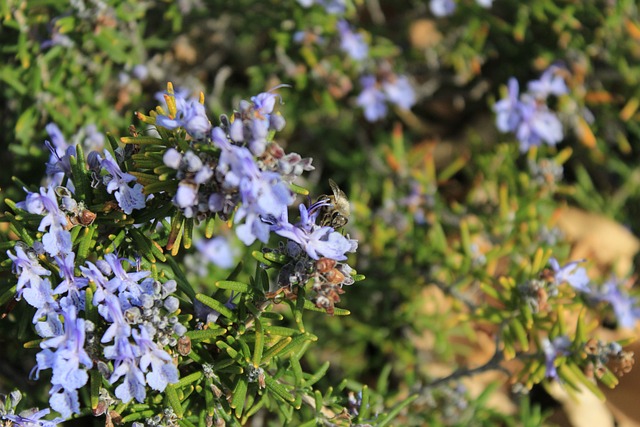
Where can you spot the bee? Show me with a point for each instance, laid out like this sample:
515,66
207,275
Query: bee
327,267
336,214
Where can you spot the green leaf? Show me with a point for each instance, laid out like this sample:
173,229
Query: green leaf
205,334
189,379
217,306
234,286
275,349
239,396
259,344
141,140
384,420
278,389
174,401
308,305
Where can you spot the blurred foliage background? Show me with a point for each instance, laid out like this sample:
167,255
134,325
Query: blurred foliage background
442,203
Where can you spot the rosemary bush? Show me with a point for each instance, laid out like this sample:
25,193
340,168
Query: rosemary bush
172,260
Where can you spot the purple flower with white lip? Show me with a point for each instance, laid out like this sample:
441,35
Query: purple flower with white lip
125,283
442,8
334,7
550,83
624,306
70,283
219,251
190,115
352,43
61,151
537,125
117,182
527,115
572,274
40,296
57,240
399,91
26,266
163,371
552,350
372,99
64,354
32,418
507,110
262,193
316,240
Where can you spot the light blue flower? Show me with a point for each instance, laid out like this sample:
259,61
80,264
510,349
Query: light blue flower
372,99
441,8
353,44
624,306
399,91
32,418
190,115
572,274
117,182
550,83
27,267
552,350
163,371
65,354
219,251
316,240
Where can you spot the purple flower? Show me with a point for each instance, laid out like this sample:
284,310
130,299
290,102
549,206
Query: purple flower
262,193
219,251
372,99
40,296
624,306
117,183
395,89
163,371
190,115
399,91
575,276
26,266
316,240
124,283
528,115
32,418
70,283
538,124
550,83
334,7
64,354
507,110
552,350
351,43
442,8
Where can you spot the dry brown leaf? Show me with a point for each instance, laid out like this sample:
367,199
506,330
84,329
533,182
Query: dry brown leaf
424,34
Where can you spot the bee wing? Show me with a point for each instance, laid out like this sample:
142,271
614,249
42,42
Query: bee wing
341,200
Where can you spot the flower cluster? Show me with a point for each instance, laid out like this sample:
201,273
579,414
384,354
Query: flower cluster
380,84
27,418
314,253
137,311
246,173
527,115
